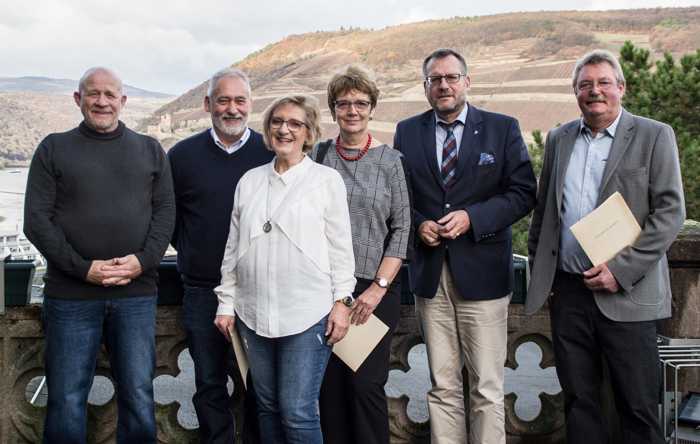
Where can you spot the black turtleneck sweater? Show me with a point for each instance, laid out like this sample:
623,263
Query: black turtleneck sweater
97,195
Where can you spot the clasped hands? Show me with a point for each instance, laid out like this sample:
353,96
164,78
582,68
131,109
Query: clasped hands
115,271
452,225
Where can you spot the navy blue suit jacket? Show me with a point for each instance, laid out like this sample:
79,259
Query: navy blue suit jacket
495,184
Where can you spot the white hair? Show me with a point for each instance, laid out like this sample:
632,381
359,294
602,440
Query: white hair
90,72
234,73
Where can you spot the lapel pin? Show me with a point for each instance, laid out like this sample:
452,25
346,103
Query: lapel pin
476,132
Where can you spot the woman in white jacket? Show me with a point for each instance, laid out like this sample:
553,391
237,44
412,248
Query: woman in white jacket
288,272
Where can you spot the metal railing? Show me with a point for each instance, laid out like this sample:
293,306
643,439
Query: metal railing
676,355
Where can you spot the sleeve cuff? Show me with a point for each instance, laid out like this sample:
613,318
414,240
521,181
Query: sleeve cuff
225,310
624,281
340,293
143,260
83,267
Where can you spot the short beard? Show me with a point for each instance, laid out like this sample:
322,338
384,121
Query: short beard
231,131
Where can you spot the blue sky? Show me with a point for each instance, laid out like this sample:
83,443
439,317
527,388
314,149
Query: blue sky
172,46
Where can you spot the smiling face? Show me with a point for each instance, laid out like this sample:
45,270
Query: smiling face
446,99
286,143
599,94
229,106
353,110
101,100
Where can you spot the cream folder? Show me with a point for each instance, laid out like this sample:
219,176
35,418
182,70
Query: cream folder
241,355
607,229
359,342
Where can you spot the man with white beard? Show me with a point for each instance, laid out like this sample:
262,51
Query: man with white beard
206,168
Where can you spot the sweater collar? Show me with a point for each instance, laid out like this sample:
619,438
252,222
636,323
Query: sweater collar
92,134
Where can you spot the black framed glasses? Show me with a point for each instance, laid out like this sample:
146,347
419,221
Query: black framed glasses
451,79
360,105
293,125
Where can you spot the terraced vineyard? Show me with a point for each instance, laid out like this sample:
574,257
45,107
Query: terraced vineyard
520,64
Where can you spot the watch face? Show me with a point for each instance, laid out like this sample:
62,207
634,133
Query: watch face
382,282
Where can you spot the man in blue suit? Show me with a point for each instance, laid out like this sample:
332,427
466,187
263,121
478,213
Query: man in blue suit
471,179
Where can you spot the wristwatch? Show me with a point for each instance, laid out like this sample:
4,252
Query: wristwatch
382,282
347,301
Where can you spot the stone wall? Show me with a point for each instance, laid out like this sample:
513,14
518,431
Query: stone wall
684,262
21,356
21,349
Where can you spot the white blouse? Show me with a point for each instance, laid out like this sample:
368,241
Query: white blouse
284,281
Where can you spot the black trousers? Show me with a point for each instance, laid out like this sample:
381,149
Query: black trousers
213,360
582,337
353,404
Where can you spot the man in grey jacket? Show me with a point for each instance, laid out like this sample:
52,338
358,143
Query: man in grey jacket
607,311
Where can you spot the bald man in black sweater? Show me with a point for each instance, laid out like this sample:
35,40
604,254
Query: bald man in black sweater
100,208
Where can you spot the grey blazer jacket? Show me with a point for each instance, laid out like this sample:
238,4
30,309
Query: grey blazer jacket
643,166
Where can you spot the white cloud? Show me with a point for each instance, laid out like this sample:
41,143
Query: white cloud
172,46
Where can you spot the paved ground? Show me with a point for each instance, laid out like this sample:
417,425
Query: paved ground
527,382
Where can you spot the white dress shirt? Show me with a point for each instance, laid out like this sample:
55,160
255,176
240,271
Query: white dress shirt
284,281
235,145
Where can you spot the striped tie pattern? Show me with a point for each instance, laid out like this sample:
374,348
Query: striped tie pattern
448,167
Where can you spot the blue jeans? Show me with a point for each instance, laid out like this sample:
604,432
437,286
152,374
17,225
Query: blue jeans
74,330
287,374
213,358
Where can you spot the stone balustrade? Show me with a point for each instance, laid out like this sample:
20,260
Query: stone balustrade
21,352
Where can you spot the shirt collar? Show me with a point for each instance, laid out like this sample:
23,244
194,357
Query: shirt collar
461,118
235,145
291,175
610,130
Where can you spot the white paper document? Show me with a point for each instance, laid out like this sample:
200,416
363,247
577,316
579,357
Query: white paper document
241,355
359,342
607,229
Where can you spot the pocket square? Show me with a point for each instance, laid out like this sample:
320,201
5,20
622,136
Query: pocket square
486,159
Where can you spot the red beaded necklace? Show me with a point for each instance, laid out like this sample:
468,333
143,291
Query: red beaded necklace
339,149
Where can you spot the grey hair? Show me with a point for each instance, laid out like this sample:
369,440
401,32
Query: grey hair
594,58
233,73
441,54
90,72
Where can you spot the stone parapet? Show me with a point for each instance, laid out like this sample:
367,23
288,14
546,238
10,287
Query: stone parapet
684,263
21,360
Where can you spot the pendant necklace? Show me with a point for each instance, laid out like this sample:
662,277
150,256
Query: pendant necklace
267,226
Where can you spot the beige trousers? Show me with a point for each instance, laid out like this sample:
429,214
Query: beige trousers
458,332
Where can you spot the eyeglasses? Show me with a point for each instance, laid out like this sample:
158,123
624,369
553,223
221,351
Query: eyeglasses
344,105
451,79
587,85
293,125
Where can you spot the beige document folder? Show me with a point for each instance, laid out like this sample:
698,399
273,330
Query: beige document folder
607,229
359,342
241,355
